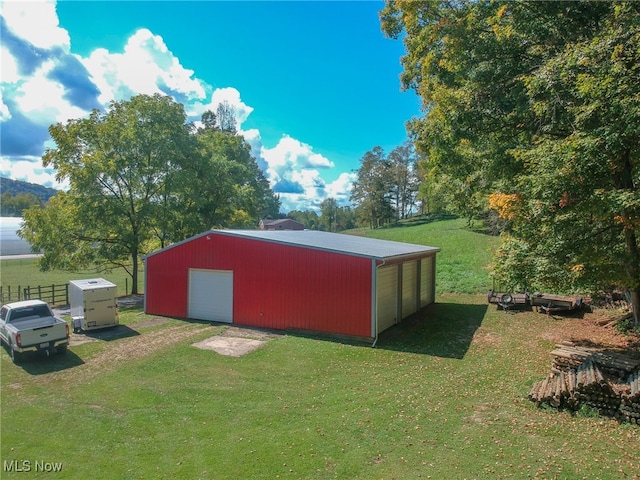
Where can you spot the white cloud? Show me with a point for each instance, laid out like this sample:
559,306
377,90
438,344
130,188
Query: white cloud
293,170
9,67
292,167
30,170
146,66
36,22
340,189
232,97
5,114
290,151
43,100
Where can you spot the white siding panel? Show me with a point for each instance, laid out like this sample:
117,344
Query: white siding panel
409,288
426,281
211,295
387,297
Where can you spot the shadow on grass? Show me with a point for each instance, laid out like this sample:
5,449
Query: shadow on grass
38,363
441,330
560,314
106,334
421,220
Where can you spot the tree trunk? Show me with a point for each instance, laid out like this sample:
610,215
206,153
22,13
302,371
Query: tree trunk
134,273
633,270
631,240
134,277
635,305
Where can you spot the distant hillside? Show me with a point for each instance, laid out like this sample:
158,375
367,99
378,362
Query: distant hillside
16,187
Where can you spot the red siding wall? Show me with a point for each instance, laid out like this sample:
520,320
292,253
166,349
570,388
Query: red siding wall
275,286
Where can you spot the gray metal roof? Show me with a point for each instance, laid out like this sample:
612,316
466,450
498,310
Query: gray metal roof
335,242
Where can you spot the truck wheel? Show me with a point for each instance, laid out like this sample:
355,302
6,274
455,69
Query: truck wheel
62,349
15,356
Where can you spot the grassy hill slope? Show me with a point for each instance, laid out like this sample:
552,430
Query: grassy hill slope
462,265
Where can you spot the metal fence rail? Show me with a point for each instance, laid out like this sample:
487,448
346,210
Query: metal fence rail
52,294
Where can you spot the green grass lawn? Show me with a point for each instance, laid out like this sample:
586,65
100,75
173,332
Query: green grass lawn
442,396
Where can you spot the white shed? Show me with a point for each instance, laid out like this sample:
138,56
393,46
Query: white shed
93,304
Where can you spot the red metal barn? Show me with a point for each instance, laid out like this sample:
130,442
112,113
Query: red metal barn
302,280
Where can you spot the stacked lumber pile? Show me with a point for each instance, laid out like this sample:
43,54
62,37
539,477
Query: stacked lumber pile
587,376
569,356
630,404
572,388
592,389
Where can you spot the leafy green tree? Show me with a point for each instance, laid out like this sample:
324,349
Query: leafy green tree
122,166
536,101
469,62
60,230
209,121
345,218
329,214
141,178
233,191
582,188
404,181
432,192
308,218
371,191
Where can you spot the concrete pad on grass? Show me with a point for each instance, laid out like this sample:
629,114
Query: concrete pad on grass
230,346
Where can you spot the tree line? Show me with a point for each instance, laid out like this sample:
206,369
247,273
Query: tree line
140,178
387,186
17,196
532,112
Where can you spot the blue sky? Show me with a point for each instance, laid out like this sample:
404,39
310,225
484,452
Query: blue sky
314,84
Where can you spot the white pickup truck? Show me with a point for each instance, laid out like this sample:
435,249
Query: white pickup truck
31,326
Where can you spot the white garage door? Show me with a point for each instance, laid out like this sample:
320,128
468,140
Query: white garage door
387,297
211,295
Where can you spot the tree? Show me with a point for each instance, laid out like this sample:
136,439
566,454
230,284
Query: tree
536,102
371,190
345,218
232,190
329,214
404,181
582,191
469,62
308,218
122,167
141,178
209,121
226,118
